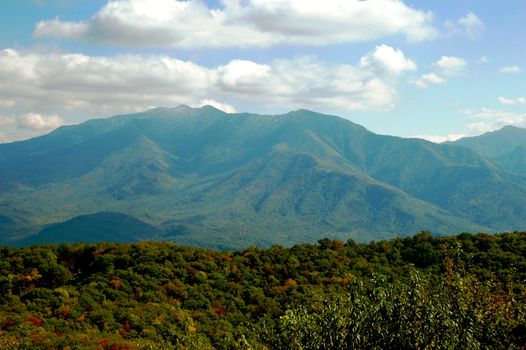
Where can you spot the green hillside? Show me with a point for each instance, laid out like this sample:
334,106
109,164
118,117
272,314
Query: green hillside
514,161
99,227
495,143
202,177
506,147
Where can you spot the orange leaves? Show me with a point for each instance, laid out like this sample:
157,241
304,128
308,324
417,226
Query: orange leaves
290,283
117,284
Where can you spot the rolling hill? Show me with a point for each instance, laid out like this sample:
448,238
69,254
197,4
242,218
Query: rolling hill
199,176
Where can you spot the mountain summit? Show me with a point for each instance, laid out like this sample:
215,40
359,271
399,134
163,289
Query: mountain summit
203,177
506,147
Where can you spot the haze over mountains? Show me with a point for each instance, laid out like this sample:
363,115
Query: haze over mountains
206,178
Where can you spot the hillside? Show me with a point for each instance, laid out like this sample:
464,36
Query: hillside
463,292
514,161
202,177
495,143
100,227
506,147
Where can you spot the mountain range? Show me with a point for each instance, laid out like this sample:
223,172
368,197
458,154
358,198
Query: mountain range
506,147
202,177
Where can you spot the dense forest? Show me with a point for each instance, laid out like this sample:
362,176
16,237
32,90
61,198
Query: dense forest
421,292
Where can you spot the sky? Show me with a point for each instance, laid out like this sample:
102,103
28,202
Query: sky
436,69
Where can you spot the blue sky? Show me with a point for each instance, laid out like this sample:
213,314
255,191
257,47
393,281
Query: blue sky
437,69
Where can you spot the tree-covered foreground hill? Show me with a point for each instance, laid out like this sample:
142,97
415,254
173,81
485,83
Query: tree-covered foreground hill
463,292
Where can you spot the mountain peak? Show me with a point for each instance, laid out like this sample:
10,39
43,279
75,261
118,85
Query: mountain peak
495,143
221,181
512,128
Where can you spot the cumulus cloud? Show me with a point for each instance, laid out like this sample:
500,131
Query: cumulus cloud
472,25
428,79
253,23
512,101
488,119
511,70
387,59
99,84
306,82
451,65
27,125
78,86
38,122
445,67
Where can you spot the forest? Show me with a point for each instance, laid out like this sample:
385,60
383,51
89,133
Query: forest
421,292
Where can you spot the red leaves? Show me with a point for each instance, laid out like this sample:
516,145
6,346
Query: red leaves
8,324
219,310
126,327
35,322
104,341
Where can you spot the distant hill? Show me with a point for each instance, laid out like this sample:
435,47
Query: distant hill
514,161
199,176
506,147
495,143
99,227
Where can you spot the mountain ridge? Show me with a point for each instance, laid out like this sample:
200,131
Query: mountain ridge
254,179
505,147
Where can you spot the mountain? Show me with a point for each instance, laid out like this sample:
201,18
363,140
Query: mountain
99,227
199,176
506,147
514,161
495,143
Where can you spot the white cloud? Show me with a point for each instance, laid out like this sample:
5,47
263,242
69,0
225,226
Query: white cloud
446,66
221,106
7,121
428,79
26,126
54,82
451,65
512,101
488,119
441,138
7,103
472,25
483,60
38,122
77,86
260,23
306,82
58,28
387,59
511,70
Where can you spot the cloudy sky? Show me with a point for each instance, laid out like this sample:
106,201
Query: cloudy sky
437,69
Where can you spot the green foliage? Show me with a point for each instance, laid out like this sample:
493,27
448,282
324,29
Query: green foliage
421,292
457,314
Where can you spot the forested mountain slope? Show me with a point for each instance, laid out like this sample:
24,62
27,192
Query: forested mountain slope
202,177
